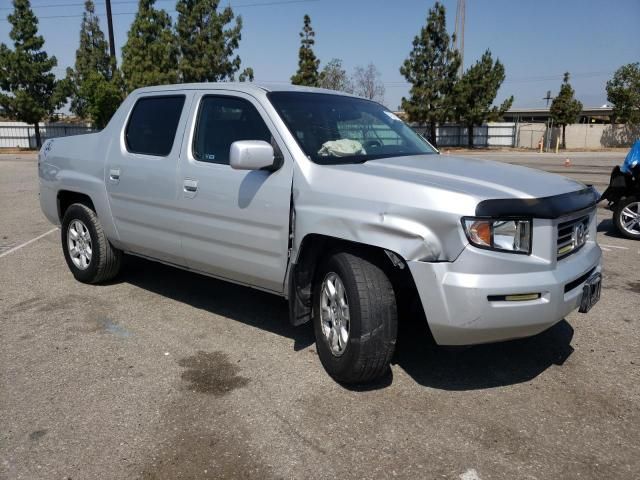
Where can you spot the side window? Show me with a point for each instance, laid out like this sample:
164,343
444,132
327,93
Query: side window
152,125
222,121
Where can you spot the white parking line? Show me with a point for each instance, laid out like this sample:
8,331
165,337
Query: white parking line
28,243
613,246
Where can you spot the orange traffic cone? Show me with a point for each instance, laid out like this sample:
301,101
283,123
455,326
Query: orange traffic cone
567,162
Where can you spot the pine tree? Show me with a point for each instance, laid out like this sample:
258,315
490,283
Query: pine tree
96,90
33,92
431,69
475,92
308,64
623,91
93,53
103,97
206,46
564,108
150,56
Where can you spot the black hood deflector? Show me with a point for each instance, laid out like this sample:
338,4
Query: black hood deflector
546,207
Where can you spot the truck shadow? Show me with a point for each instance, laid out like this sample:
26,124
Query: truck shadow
243,304
607,227
479,367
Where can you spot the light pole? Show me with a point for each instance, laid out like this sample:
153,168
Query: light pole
112,46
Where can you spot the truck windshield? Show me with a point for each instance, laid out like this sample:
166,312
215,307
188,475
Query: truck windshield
333,129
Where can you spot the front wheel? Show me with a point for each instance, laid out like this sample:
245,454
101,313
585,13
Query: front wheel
355,318
89,255
626,217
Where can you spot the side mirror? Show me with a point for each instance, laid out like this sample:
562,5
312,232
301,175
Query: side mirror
251,155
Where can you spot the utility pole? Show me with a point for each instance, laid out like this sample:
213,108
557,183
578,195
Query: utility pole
459,32
548,97
112,46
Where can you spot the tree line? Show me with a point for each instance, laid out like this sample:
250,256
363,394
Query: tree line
201,47
365,81
437,93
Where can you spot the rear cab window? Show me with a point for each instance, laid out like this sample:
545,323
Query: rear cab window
152,125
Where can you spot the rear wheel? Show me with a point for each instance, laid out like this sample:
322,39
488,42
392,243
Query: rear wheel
355,318
626,217
89,255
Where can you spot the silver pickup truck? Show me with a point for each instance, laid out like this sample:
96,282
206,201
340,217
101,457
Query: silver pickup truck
332,202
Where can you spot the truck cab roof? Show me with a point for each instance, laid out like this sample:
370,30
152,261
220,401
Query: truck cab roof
246,87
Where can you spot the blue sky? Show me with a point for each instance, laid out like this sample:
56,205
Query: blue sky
536,40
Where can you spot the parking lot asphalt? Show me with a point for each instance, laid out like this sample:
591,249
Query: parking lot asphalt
165,374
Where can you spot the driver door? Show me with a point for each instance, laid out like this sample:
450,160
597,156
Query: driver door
235,223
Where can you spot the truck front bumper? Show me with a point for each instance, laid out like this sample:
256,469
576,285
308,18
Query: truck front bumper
465,308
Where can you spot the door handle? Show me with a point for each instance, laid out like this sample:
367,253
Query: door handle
114,175
190,186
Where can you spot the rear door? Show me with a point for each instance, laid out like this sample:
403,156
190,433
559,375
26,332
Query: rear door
141,175
235,223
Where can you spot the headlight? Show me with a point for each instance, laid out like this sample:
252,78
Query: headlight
512,235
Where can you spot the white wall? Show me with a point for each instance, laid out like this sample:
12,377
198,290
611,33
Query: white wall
596,136
587,136
22,135
530,134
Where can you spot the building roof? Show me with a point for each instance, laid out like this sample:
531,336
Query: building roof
545,111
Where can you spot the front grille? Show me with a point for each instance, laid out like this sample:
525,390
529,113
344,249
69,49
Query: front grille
572,236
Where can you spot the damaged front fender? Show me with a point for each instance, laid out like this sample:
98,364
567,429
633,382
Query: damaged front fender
389,229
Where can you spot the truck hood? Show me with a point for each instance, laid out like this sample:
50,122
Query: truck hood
481,179
413,205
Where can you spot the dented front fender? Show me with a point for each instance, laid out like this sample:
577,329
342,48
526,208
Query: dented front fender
405,219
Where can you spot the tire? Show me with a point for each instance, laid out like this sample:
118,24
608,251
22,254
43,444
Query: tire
621,217
101,261
372,319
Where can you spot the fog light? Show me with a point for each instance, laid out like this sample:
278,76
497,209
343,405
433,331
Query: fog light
521,297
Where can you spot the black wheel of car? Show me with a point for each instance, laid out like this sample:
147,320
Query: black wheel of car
355,318
89,255
626,217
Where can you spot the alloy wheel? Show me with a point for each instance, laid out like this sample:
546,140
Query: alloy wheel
334,313
79,244
630,218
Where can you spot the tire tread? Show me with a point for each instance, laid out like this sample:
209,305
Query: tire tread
109,258
378,316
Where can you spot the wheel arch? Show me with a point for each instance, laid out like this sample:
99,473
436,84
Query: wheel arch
66,198
314,247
